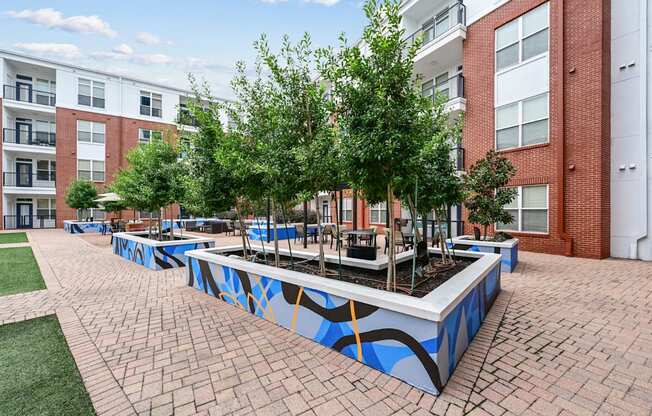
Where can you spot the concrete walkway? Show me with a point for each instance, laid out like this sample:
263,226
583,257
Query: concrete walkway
566,336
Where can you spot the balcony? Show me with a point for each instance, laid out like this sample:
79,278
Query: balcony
452,90
29,138
29,180
442,35
186,119
27,94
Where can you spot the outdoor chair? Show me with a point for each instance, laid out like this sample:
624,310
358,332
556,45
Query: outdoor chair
338,237
298,232
326,232
399,241
368,238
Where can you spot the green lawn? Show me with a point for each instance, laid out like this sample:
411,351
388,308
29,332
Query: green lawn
11,238
38,375
19,271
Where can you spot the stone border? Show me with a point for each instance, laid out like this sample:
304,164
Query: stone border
107,396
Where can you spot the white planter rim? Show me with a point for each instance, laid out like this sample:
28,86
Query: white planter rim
469,240
434,306
135,236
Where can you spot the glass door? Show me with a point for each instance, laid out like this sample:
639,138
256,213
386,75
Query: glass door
24,215
23,132
23,92
24,174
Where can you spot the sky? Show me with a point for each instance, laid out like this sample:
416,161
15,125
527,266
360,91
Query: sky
162,41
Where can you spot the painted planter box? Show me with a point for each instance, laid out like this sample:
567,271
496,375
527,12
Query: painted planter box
156,255
507,249
261,234
85,227
418,340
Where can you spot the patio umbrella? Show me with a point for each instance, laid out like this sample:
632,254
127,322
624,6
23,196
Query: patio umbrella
108,197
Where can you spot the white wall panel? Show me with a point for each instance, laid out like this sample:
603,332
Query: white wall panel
92,151
523,81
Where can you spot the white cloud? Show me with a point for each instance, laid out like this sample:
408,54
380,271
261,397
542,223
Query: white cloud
54,19
123,49
323,2
148,38
154,58
65,50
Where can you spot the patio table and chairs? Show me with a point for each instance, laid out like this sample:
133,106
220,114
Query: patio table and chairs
357,237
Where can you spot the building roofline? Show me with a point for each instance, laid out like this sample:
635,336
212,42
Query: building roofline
105,73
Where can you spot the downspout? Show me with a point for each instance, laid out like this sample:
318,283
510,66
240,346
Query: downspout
561,92
643,39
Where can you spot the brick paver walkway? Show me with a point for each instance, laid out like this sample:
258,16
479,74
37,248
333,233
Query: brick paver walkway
566,336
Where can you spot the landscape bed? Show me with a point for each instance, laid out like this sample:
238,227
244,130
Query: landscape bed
85,227
507,249
418,340
154,254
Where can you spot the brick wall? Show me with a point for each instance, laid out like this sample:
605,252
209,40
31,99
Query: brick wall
121,135
579,126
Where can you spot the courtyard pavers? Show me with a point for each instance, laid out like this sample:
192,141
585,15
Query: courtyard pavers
566,336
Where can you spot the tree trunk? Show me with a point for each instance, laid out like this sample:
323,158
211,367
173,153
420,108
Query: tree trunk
338,245
241,225
160,224
390,259
413,214
322,263
171,223
485,232
149,226
276,255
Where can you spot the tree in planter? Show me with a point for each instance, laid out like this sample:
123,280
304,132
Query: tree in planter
486,184
81,195
152,181
379,109
115,207
303,114
218,175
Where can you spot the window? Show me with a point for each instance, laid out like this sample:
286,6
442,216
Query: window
46,170
441,83
90,170
146,136
90,132
442,23
522,123
378,213
150,104
522,38
529,210
45,91
46,208
347,209
90,93
45,132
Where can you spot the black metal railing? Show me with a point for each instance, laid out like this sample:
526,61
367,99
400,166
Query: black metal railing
13,222
439,25
36,138
450,89
185,118
457,154
29,95
43,179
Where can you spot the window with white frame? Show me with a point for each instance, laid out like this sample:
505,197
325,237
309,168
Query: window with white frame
146,135
523,123
150,104
92,170
46,170
45,91
46,208
91,93
347,209
529,210
90,132
523,38
378,213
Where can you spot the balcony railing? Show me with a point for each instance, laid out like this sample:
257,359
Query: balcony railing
29,180
35,138
457,155
13,222
450,89
439,25
28,95
185,118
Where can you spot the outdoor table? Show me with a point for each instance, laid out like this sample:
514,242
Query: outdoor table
353,235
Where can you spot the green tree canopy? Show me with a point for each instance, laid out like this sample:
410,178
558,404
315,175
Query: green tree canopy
81,195
486,184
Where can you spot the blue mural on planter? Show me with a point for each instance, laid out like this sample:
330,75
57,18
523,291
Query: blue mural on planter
258,234
156,257
508,255
420,352
74,227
